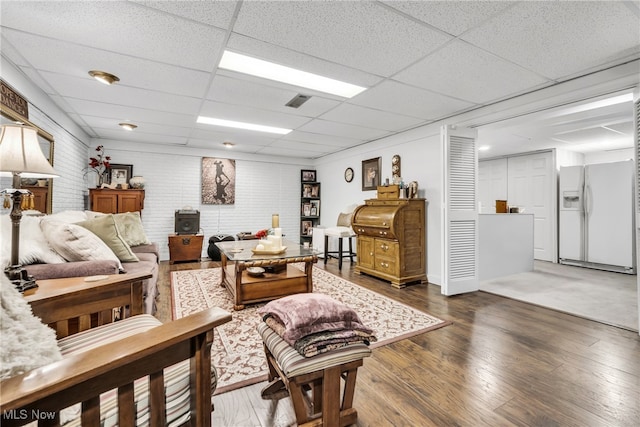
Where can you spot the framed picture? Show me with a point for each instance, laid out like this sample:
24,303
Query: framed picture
306,209
315,207
218,181
371,173
310,190
306,228
308,175
120,174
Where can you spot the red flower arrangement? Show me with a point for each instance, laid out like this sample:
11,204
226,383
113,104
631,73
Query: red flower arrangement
99,164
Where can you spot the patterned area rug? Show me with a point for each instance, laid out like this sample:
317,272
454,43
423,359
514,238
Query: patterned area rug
237,349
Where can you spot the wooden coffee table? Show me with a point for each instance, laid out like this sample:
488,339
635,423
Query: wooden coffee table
280,278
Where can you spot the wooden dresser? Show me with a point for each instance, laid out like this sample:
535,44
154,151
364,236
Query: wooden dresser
391,239
116,201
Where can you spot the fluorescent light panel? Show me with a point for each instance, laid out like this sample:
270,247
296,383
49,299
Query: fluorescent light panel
268,70
242,125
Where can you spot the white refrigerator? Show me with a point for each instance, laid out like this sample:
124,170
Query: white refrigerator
596,224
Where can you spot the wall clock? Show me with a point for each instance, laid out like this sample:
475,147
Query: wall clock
348,174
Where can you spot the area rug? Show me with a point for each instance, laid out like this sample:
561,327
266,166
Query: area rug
237,351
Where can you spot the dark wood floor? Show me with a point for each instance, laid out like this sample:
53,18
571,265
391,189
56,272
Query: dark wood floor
501,363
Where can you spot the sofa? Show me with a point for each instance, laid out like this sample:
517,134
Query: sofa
84,243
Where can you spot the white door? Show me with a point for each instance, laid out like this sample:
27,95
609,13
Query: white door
636,138
492,183
532,186
460,211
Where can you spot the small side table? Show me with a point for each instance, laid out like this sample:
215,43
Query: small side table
81,301
185,247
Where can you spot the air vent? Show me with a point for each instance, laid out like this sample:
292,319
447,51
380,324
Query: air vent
298,100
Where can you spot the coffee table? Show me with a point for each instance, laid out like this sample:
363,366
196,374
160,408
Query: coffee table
280,278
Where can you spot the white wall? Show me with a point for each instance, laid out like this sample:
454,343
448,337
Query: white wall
420,155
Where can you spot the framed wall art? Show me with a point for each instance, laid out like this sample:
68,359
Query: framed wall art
218,181
308,175
371,173
120,174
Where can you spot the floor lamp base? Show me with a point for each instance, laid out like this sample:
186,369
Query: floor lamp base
20,278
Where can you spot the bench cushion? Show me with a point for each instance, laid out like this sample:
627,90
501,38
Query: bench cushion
293,363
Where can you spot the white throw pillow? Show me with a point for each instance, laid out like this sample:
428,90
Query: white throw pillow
76,243
34,247
66,216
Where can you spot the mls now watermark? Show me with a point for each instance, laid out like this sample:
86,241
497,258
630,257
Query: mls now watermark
26,414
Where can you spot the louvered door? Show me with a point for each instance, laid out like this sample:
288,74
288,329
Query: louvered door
460,216
636,138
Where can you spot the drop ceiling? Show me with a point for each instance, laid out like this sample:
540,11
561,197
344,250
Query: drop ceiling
420,61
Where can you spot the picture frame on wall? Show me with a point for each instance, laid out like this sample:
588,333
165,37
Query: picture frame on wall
371,169
307,175
120,174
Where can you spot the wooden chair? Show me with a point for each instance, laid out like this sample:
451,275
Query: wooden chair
116,364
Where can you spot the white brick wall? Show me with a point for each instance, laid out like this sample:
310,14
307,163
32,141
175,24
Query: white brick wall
173,182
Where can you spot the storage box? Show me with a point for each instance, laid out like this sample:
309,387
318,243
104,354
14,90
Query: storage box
185,247
501,206
389,192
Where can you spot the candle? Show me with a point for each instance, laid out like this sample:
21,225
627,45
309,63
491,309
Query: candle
275,242
277,231
275,221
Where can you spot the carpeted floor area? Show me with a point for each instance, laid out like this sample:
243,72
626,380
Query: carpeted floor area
606,297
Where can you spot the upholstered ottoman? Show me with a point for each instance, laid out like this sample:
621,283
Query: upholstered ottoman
313,382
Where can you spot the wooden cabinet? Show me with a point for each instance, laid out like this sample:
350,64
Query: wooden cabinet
40,197
185,247
116,201
391,239
309,208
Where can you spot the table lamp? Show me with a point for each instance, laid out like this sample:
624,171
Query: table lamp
21,157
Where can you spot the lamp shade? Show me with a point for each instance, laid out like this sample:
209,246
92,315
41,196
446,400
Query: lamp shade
20,153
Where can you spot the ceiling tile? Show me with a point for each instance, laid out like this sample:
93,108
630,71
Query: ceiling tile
453,17
410,101
89,89
559,39
367,117
73,60
321,139
134,30
122,112
341,129
146,138
216,13
370,37
458,68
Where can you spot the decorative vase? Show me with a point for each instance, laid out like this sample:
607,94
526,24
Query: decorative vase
137,182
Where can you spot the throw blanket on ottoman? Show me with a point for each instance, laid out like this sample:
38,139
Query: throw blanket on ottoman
315,323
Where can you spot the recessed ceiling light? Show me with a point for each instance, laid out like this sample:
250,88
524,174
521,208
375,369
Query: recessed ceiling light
128,126
104,77
268,70
484,148
228,144
242,125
